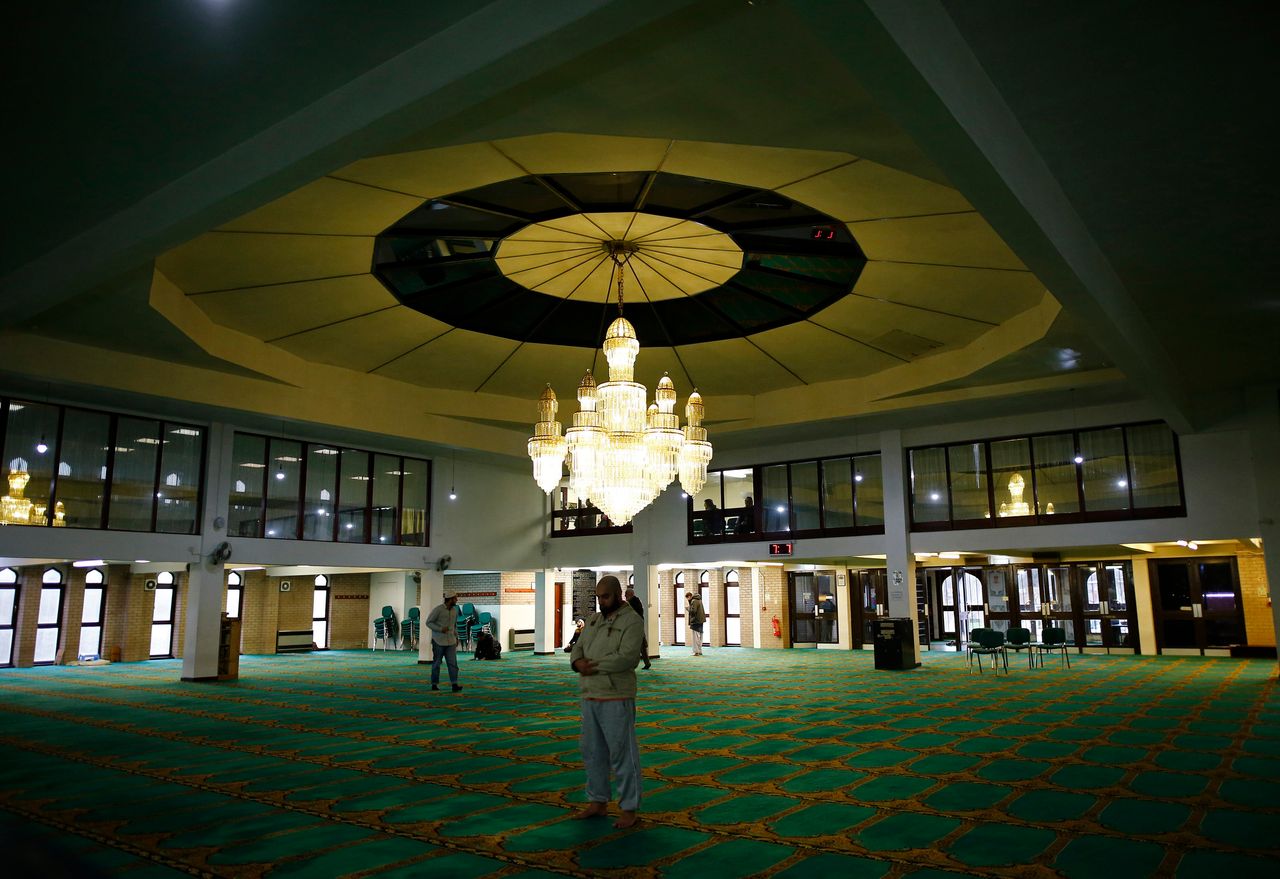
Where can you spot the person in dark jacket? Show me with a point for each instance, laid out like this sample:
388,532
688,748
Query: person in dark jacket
576,632
638,606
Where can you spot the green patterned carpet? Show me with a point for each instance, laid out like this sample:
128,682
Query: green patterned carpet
769,763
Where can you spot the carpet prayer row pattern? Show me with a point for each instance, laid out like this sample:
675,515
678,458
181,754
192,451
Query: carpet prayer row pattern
756,763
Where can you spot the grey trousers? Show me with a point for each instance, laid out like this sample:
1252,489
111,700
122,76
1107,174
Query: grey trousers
609,744
450,655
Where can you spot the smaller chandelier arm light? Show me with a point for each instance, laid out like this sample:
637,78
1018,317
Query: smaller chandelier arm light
621,453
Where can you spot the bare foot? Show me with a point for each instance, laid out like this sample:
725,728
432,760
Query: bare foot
592,810
626,819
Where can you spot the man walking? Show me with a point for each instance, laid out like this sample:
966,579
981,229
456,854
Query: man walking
638,606
443,623
605,659
697,616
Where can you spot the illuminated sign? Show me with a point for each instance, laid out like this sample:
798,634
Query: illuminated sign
780,549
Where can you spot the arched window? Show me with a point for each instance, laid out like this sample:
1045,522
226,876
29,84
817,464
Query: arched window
704,578
631,581
320,611
8,575
162,613
321,581
732,609
94,577
49,617
52,575
233,579
8,613
164,578
680,606
95,595
732,576
235,595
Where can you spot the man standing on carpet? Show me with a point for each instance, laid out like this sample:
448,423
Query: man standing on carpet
638,606
443,623
697,616
605,659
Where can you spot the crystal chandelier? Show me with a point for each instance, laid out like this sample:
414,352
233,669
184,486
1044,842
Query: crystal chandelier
621,455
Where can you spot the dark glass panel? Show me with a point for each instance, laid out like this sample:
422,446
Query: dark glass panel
82,468
969,482
837,493
353,496
1153,465
525,196
178,495
616,190
284,493
386,498
837,270
764,208
413,520
1175,586
249,464
868,490
30,471
1106,482
322,491
133,479
677,194
777,504
444,219
1056,488
929,485
1011,476
804,495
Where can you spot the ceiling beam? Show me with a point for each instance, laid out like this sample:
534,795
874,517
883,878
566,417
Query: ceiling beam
918,66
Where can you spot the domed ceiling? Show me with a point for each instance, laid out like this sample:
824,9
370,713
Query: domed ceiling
484,268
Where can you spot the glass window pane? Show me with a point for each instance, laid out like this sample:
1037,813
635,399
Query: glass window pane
133,481
46,645
6,646
804,495
161,640
929,485
8,598
739,503
969,482
162,610
837,493
247,470
413,519
711,491
1106,483
319,604
92,612
353,496
1028,591
283,490
50,604
233,603
320,633
1153,466
777,504
386,498
733,600
29,471
322,490
868,490
1011,474
90,641
1056,490
181,457
998,590
82,467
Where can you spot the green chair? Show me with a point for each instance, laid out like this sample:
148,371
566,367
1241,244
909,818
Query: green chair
990,642
379,633
483,623
971,644
1054,641
1017,640
391,628
411,629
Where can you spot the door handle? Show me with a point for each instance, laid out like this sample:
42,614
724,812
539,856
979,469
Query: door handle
1104,607
1198,610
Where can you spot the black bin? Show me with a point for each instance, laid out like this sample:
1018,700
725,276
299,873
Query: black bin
895,644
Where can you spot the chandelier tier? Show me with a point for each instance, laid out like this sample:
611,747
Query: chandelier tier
621,453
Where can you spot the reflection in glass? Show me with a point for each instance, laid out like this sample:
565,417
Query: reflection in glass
413,521
837,493
1106,480
868,489
248,469
353,496
1011,476
1028,590
929,485
284,491
322,491
997,591
1153,464
28,471
777,503
1056,488
133,476
82,467
804,495
968,482
386,498
177,508
1175,586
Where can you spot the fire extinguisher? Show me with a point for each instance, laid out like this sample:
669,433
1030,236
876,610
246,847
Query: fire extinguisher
777,628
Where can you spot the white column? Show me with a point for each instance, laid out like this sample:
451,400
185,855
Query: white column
205,586
646,587
432,596
544,613
844,611
900,561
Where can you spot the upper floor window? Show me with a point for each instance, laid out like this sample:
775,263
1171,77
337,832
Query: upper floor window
572,517
1127,471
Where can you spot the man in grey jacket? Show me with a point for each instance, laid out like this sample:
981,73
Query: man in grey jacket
605,659
443,623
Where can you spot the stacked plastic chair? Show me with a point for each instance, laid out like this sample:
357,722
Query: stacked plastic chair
466,617
411,629
390,626
483,623
379,633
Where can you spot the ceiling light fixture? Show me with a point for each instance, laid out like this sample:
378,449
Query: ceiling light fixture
453,477
620,455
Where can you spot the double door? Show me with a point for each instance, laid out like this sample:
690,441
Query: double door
1197,605
869,591
813,597
958,600
1092,602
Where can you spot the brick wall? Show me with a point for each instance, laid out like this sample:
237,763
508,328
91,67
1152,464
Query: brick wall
295,606
1259,624
349,611
773,596
516,588
24,630
114,613
259,613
